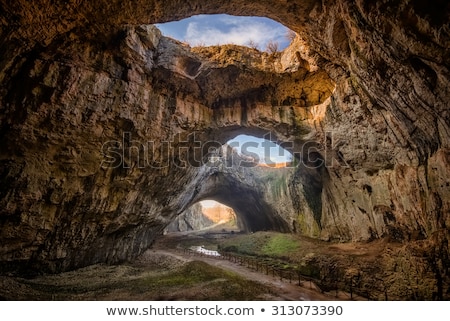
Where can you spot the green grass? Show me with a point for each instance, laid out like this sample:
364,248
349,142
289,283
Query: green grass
218,284
263,244
250,244
192,272
195,280
280,245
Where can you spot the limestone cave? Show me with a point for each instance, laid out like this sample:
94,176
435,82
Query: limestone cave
109,131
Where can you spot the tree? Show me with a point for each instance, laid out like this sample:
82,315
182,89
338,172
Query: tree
252,44
272,47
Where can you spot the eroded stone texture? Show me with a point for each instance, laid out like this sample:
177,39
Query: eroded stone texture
192,219
362,94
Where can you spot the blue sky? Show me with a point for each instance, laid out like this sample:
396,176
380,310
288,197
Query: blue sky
268,151
208,30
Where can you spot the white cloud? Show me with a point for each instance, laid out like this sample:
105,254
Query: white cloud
233,30
266,151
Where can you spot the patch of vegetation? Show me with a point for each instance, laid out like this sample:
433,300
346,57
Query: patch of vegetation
247,244
280,245
191,273
215,284
194,280
283,251
267,244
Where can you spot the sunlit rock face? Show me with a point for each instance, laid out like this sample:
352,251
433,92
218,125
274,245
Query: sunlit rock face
204,216
91,97
193,219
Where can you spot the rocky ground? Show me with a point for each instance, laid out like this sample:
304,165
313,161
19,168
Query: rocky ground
165,272
161,273
141,280
155,276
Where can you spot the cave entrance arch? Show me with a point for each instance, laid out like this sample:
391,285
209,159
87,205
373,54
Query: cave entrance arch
259,33
206,216
240,182
253,212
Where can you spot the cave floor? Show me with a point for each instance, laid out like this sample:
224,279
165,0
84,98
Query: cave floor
166,272
131,282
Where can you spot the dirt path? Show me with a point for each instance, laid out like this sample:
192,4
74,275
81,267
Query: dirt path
285,290
139,279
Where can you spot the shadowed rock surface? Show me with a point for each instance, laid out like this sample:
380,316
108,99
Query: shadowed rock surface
190,220
105,126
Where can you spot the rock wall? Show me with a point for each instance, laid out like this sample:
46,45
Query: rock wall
200,217
106,126
192,219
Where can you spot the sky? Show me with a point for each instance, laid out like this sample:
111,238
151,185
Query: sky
209,30
210,203
267,151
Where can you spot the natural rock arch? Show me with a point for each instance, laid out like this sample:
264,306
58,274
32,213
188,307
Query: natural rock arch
252,211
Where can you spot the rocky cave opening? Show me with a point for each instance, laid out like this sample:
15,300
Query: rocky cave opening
205,30
240,174
359,97
206,216
261,151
